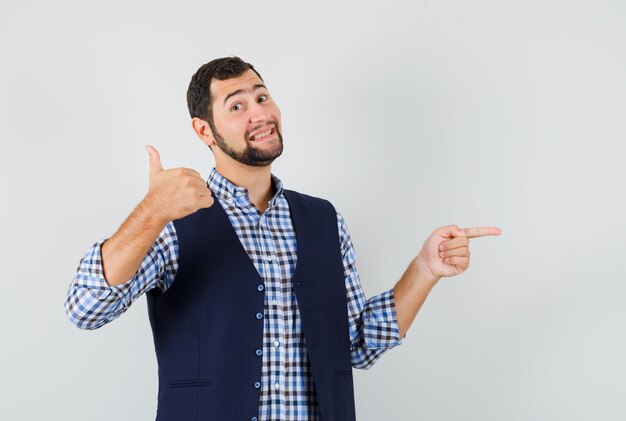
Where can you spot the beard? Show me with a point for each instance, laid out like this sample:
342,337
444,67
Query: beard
251,155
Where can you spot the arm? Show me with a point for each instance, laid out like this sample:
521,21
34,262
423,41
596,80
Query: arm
117,271
373,324
411,292
382,322
173,194
125,250
91,302
444,253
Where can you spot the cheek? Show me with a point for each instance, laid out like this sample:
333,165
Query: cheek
276,112
234,126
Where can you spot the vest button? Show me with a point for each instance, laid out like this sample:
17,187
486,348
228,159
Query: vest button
259,316
257,385
259,352
254,419
260,287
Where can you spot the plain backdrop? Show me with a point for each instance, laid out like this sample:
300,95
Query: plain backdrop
406,115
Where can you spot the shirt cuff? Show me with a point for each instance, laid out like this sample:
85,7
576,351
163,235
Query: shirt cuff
90,275
380,322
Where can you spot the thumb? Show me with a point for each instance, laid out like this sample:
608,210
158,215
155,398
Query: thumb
155,160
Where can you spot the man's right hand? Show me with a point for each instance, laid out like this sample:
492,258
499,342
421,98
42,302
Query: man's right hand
176,192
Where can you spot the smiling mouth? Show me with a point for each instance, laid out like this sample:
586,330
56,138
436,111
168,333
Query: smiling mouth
266,135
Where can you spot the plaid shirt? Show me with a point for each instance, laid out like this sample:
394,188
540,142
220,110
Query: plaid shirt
287,387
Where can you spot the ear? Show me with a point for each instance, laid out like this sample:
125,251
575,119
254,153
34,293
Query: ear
203,130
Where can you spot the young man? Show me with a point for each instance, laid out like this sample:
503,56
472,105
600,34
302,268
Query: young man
253,295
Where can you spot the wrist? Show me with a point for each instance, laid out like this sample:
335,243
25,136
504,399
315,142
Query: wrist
423,273
148,211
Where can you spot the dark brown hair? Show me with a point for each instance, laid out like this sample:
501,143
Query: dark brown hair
199,101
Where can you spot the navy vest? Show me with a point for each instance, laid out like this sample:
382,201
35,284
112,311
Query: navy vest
208,325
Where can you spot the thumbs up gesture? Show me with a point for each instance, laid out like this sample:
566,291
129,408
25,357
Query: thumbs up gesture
176,192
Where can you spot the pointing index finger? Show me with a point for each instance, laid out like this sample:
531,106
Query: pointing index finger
480,231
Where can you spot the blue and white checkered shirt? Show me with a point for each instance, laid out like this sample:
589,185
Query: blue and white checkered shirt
287,387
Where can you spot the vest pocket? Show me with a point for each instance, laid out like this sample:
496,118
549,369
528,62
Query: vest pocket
186,400
191,383
342,373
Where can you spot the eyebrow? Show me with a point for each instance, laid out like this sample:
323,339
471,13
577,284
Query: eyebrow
240,91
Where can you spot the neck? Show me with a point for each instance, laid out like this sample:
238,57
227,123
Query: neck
256,180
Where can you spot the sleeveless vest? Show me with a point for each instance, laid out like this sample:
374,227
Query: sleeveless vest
208,325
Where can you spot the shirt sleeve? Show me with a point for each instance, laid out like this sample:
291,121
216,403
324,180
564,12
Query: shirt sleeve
91,302
373,323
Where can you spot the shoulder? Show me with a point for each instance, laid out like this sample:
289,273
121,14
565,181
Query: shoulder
315,207
313,200
308,200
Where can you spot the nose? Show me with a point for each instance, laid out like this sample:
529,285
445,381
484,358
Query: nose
259,113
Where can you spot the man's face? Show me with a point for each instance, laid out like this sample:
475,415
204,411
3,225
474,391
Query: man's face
246,120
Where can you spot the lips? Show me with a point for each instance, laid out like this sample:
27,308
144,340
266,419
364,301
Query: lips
262,135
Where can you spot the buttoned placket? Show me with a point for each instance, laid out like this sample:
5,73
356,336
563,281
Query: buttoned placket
241,198
272,315
273,300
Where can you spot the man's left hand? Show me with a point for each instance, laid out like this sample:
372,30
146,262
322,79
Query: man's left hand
446,251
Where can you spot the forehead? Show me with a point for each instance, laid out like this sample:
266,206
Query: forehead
221,88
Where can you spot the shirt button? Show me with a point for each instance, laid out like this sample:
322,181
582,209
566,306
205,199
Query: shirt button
259,316
275,302
260,287
277,386
257,385
259,352
276,344
269,257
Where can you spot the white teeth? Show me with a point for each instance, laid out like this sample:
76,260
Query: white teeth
261,134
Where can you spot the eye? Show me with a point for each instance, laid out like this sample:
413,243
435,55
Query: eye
262,98
236,107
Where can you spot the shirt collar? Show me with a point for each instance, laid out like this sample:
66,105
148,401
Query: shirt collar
223,188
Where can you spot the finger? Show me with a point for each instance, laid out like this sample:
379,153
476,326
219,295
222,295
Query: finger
206,201
479,231
461,262
454,243
155,160
461,251
204,190
449,231
188,171
200,184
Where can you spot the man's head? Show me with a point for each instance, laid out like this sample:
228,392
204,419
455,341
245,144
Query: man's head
231,108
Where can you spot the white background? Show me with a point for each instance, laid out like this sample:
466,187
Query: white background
407,116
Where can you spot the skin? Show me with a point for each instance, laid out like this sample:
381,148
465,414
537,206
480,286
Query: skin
444,253
236,126
178,192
